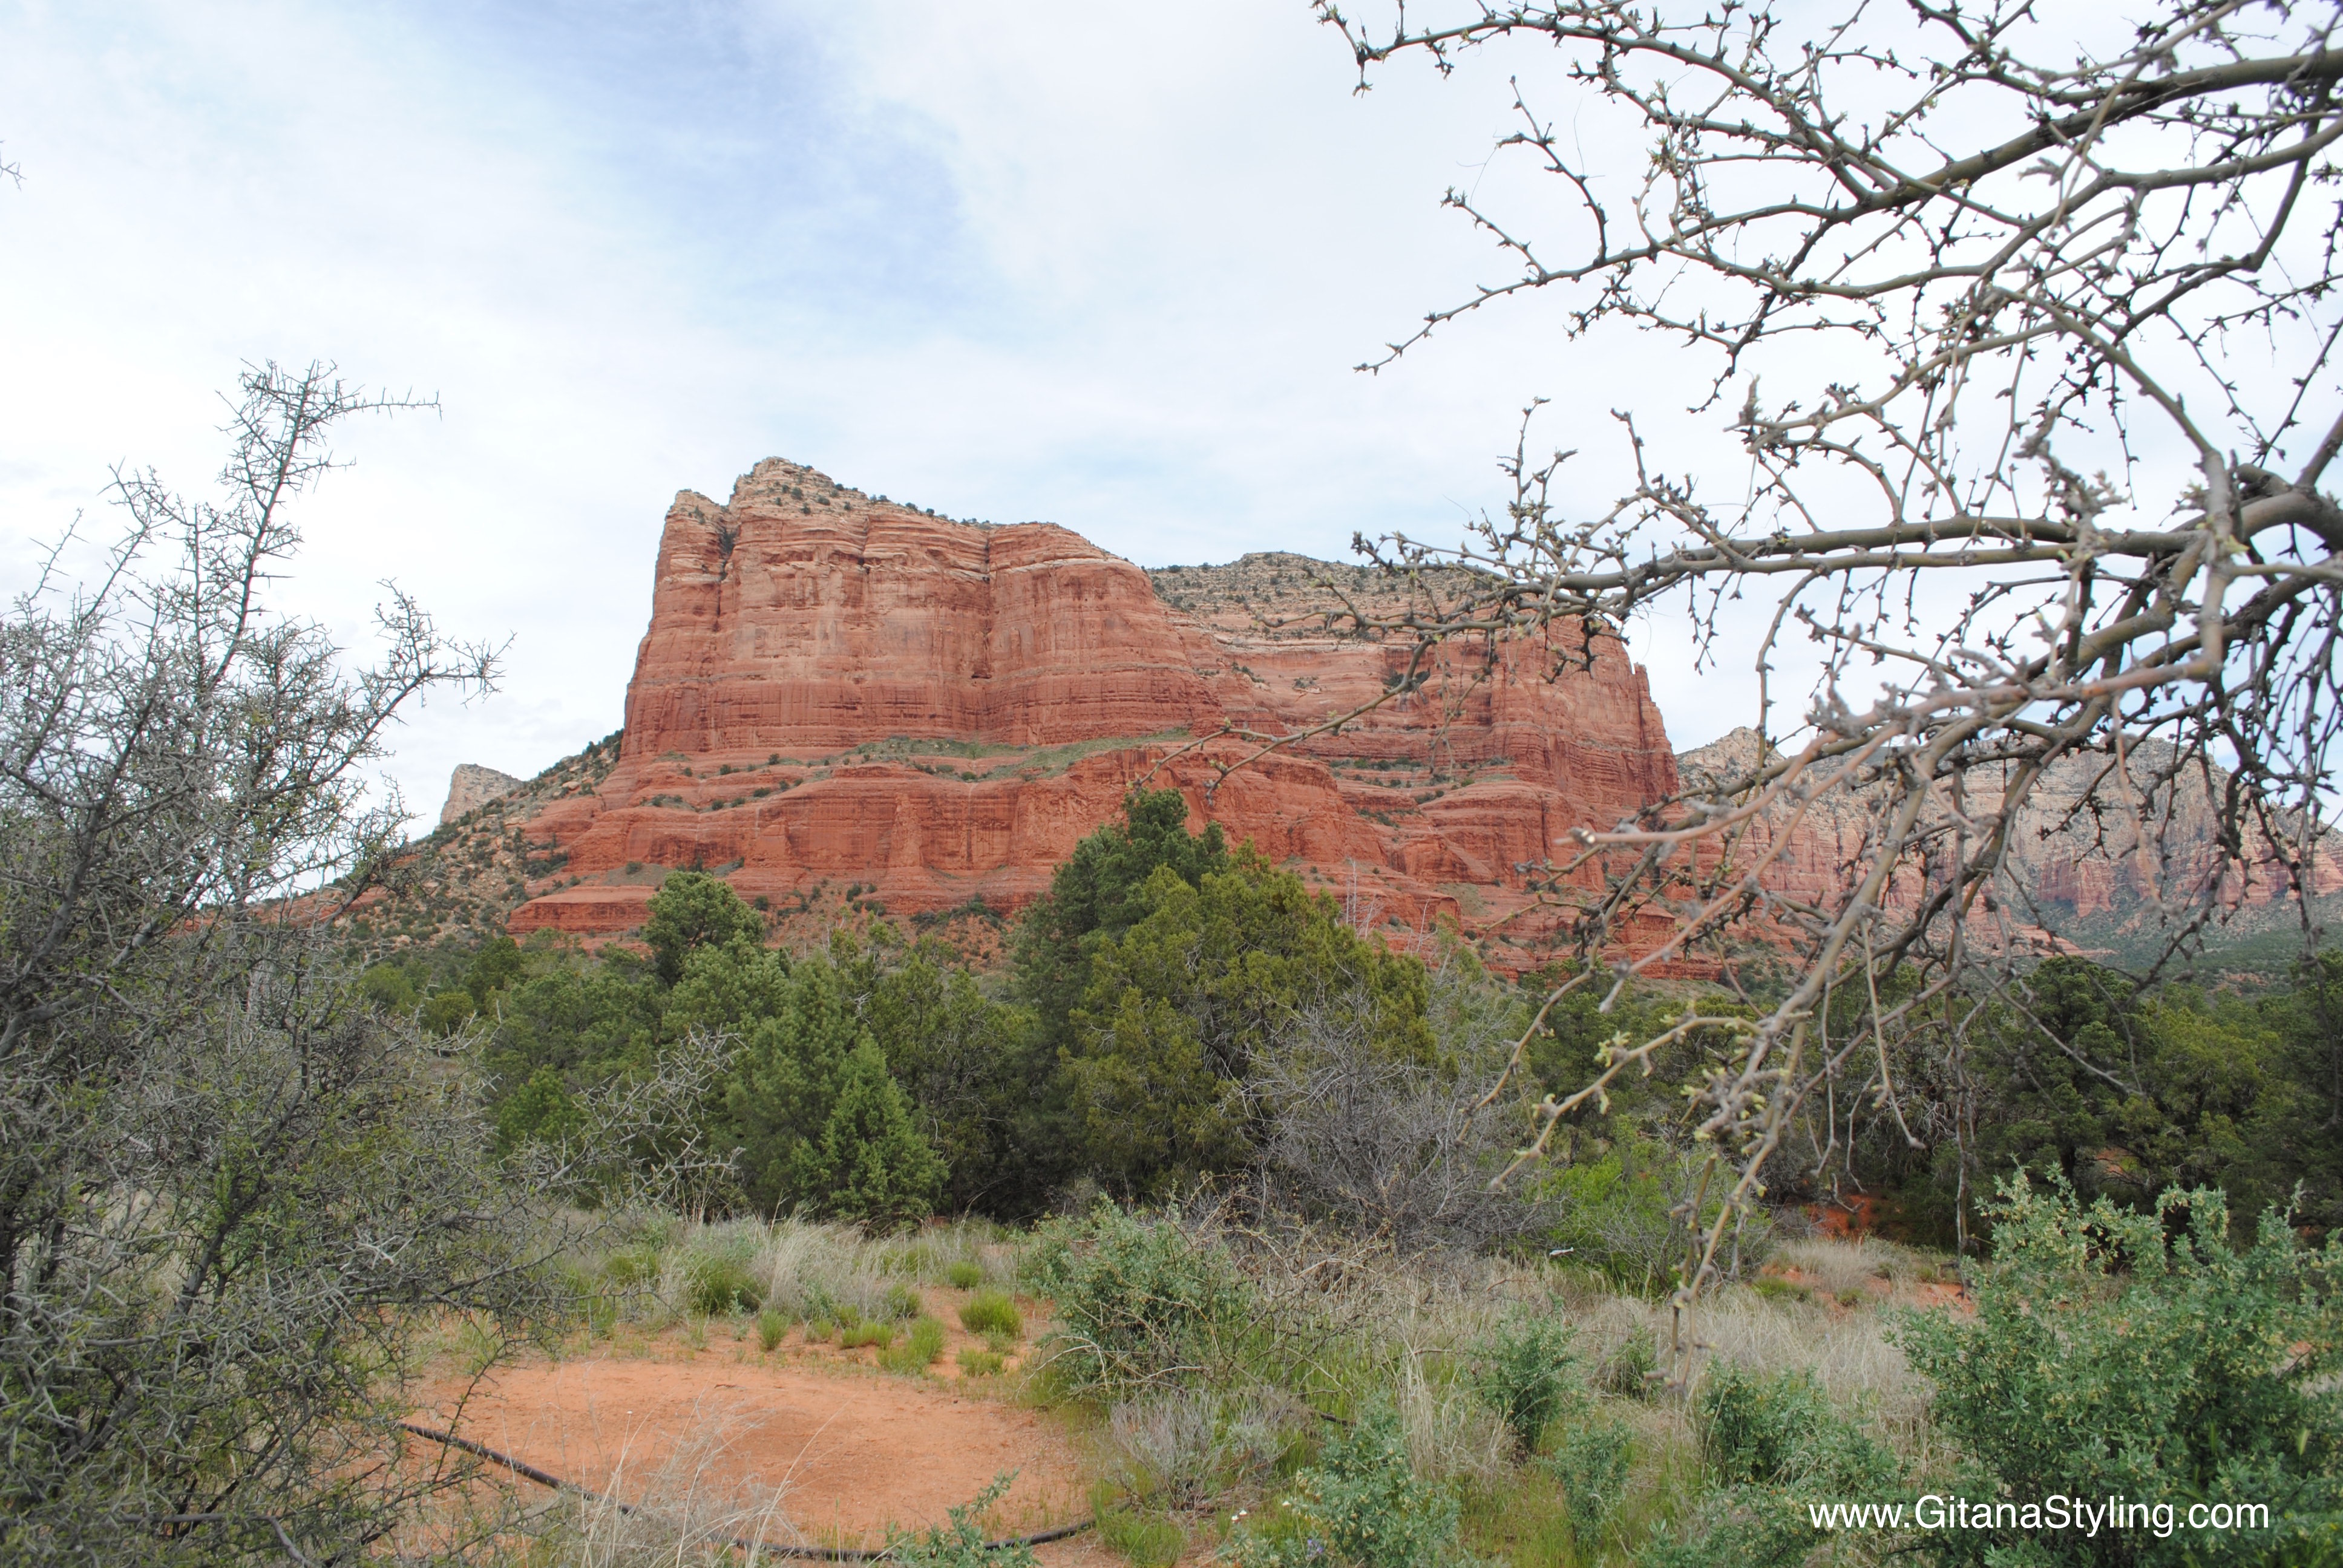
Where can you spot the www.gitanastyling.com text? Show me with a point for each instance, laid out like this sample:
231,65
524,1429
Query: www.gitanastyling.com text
2088,1516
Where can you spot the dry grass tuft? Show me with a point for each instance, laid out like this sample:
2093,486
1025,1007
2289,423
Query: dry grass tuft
681,1511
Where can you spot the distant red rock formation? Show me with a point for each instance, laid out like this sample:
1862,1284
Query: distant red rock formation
2073,856
835,689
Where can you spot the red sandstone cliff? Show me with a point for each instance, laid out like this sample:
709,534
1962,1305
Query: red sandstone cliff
838,689
2074,860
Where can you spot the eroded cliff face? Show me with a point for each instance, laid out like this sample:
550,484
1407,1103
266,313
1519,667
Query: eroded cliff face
2075,877
836,690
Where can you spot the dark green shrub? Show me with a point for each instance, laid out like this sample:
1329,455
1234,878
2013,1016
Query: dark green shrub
1771,1447
1779,1429
1361,1506
1529,1372
693,910
2147,1356
1141,1301
1589,1459
446,1011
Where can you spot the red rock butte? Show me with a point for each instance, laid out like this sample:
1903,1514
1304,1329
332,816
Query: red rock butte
838,689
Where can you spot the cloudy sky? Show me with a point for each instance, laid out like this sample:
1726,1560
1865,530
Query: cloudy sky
1106,266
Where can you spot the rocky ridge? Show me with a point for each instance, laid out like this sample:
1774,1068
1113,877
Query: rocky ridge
852,709
472,787
2074,878
847,707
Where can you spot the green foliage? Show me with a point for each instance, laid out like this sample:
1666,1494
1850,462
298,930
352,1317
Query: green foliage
585,1024
1529,1372
691,911
772,1328
719,1284
2145,1354
1619,1212
1143,1538
959,1543
902,1300
1589,1459
1361,1506
871,1164
390,987
854,1336
2123,1094
1180,1006
922,1344
1140,1301
1770,1446
992,1312
1780,1430
963,1275
975,1068
540,1111
496,966
975,1362
819,1121
1095,895
446,1011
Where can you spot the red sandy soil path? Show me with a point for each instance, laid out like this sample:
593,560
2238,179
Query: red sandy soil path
852,1451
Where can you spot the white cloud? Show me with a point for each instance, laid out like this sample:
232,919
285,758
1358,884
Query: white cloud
1109,265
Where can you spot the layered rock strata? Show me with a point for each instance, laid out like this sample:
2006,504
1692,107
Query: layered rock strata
835,690
2091,865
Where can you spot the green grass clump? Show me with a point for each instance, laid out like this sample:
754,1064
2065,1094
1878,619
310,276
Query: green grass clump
974,1363
992,1312
772,1327
963,1275
1774,1288
717,1285
1145,1539
860,1334
630,1267
921,1345
819,1330
902,1302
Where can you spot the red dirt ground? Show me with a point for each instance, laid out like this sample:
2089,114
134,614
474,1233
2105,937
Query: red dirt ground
850,1449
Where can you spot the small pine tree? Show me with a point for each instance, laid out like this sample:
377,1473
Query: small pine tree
871,1164
693,910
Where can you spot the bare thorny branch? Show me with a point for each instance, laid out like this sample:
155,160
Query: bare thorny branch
2056,293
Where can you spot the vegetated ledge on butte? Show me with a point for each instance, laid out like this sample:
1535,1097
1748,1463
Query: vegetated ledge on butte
848,705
